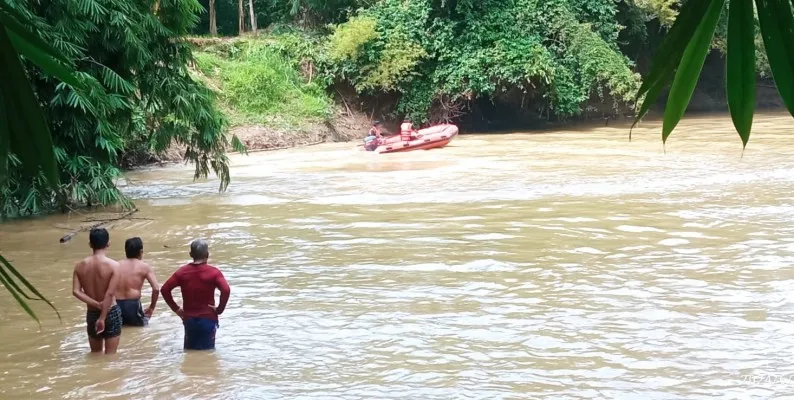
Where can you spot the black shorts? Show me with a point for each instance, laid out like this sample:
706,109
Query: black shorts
112,323
132,312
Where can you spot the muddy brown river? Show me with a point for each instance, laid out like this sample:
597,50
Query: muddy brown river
572,264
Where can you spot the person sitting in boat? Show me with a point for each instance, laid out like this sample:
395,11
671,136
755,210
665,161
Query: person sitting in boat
372,141
407,131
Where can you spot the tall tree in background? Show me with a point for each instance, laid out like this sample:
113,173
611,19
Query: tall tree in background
213,19
253,15
240,17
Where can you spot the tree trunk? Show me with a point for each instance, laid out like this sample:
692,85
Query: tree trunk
213,21
253,15
241,18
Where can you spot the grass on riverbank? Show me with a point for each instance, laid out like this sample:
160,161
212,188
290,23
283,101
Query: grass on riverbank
259,86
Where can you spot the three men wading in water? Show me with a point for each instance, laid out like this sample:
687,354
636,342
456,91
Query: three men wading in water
112,293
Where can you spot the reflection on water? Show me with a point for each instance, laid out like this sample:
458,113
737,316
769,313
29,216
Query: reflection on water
570,265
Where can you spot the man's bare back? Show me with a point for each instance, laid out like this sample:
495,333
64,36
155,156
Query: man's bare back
94,283
94,274
133,271
133,274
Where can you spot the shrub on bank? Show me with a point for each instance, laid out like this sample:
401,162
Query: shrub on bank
258,84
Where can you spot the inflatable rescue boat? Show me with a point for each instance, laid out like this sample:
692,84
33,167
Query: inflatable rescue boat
429,138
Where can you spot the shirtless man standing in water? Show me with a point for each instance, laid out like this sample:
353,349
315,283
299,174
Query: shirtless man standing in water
128,292
94,282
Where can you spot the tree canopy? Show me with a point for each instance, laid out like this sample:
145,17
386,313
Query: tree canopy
556,58
136,96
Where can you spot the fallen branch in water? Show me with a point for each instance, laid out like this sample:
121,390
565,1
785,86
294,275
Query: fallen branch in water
105,219
286,147
70,235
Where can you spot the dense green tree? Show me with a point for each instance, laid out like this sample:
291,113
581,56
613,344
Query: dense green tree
551,55
139,98
24,133
550,59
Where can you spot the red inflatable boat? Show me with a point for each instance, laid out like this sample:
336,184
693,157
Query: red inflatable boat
428,138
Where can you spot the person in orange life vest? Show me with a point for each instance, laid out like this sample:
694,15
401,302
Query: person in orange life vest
407,132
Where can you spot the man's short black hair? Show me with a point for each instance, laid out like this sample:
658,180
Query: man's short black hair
99,238
133,247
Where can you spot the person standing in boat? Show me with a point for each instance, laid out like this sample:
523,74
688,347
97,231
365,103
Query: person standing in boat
407,131
372,141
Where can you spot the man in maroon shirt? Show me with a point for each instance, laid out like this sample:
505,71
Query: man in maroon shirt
198,281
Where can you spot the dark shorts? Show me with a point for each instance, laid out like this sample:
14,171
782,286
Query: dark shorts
200,333
112,323
132,312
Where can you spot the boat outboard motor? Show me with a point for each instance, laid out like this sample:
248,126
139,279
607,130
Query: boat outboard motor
371,143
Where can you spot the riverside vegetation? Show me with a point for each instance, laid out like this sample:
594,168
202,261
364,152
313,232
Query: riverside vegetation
150,88
155,80
116,83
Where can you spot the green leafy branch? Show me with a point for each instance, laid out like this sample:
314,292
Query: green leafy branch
682,53
23,128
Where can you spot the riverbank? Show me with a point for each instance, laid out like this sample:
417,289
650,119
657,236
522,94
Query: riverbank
270,103
276,96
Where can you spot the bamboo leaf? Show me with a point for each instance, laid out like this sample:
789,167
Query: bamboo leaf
777,24
115,81
44,61
10,19
669,54
5,134
686,77
30,136
27,284
18,298
741,66
13,283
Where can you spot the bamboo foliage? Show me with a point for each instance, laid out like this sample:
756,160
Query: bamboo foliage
680,59
111,76
23,128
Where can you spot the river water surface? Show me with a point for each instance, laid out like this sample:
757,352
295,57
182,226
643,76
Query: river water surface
567,265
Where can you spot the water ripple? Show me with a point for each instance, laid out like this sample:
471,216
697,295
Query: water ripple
501,268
